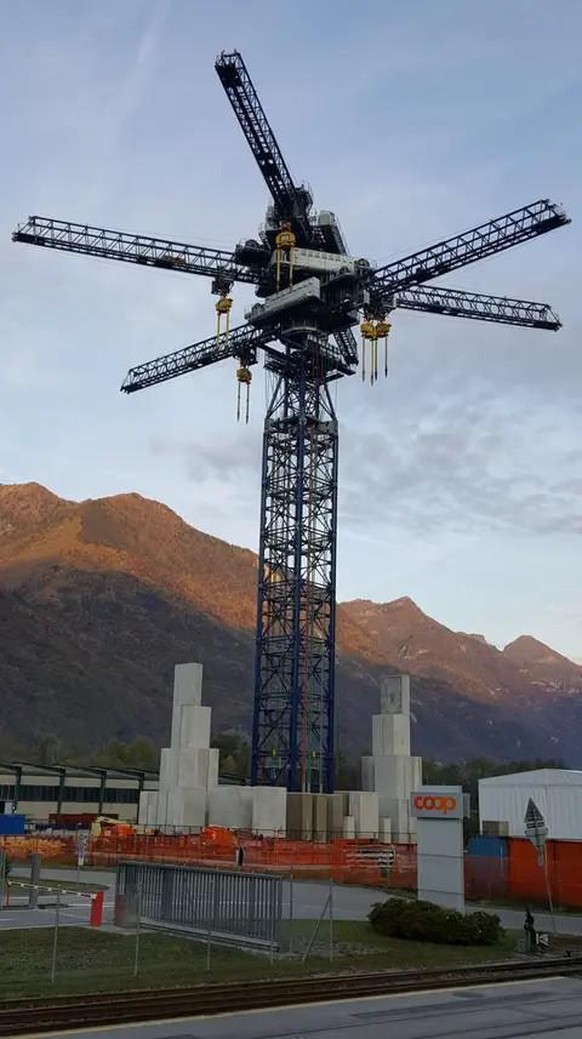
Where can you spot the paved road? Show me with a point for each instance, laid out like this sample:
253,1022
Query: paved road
550,1009
349,902
74,908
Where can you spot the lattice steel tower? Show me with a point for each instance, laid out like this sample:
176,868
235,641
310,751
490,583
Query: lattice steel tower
314,293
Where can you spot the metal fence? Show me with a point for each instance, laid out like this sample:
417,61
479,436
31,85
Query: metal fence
245,907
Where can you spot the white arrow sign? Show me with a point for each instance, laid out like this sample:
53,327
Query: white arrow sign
535,828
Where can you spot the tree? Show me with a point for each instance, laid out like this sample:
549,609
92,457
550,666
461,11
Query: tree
141,753
235,754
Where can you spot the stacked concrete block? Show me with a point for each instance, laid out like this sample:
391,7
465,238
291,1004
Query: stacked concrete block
168,768
300,816
337,809
349,827
197,767
187,692
189,766
390,734
363,808
391,771
319,824
385,830
231,807
186,807
269,810
148,805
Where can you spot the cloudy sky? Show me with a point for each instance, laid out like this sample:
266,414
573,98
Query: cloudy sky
461,478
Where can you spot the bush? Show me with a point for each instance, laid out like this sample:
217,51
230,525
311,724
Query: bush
426,922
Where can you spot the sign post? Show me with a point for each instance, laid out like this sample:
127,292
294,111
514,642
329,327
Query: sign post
537,832
439,812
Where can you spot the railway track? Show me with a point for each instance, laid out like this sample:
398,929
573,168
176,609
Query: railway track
84,1012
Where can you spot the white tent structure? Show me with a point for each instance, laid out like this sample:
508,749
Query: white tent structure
556,792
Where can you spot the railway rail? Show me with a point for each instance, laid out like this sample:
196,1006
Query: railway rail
83,1012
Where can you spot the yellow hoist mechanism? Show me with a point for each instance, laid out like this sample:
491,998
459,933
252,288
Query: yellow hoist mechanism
244,378
285,242
372,330
223,306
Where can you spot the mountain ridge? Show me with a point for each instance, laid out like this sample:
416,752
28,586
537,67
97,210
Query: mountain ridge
123,570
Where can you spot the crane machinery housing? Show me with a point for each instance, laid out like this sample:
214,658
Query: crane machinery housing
312,294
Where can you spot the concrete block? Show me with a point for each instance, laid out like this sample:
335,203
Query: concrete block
300,816
231,807
194,728
385,831
397,775
337,808
395,694
168,768
193,766
186,807
363,806
187,690
153,809
390,734
368,780
269,809
319,826
143,807
213,759
397,810
161,809
349,827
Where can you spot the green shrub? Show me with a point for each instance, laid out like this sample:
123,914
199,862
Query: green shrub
426,922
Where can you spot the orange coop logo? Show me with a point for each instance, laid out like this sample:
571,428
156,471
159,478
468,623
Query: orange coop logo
437,803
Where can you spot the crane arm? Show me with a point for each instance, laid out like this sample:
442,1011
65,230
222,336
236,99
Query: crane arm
117,245
457,303
241,342
291,202
485,240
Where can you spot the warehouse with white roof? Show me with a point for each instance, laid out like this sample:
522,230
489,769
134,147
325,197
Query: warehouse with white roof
556,792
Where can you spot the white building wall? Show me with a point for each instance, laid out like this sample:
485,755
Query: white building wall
556,792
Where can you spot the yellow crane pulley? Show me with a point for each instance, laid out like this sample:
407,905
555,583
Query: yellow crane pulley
368,331
285,242
244,378
223,307
371,331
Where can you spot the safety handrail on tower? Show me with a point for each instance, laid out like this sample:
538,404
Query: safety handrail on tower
313,295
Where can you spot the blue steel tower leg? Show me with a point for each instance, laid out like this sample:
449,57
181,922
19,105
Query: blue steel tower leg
293,723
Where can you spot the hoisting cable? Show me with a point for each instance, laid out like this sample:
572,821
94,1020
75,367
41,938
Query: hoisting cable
244,378
383,329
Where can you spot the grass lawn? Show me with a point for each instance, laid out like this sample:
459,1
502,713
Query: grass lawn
90,961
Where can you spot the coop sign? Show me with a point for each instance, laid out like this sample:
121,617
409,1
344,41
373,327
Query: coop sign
437,804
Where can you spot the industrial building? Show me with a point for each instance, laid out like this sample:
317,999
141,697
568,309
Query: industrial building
556,792
42,791
506,862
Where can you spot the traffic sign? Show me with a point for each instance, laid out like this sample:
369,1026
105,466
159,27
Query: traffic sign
535,829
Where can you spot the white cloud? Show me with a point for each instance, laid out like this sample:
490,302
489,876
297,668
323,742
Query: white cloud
412,123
